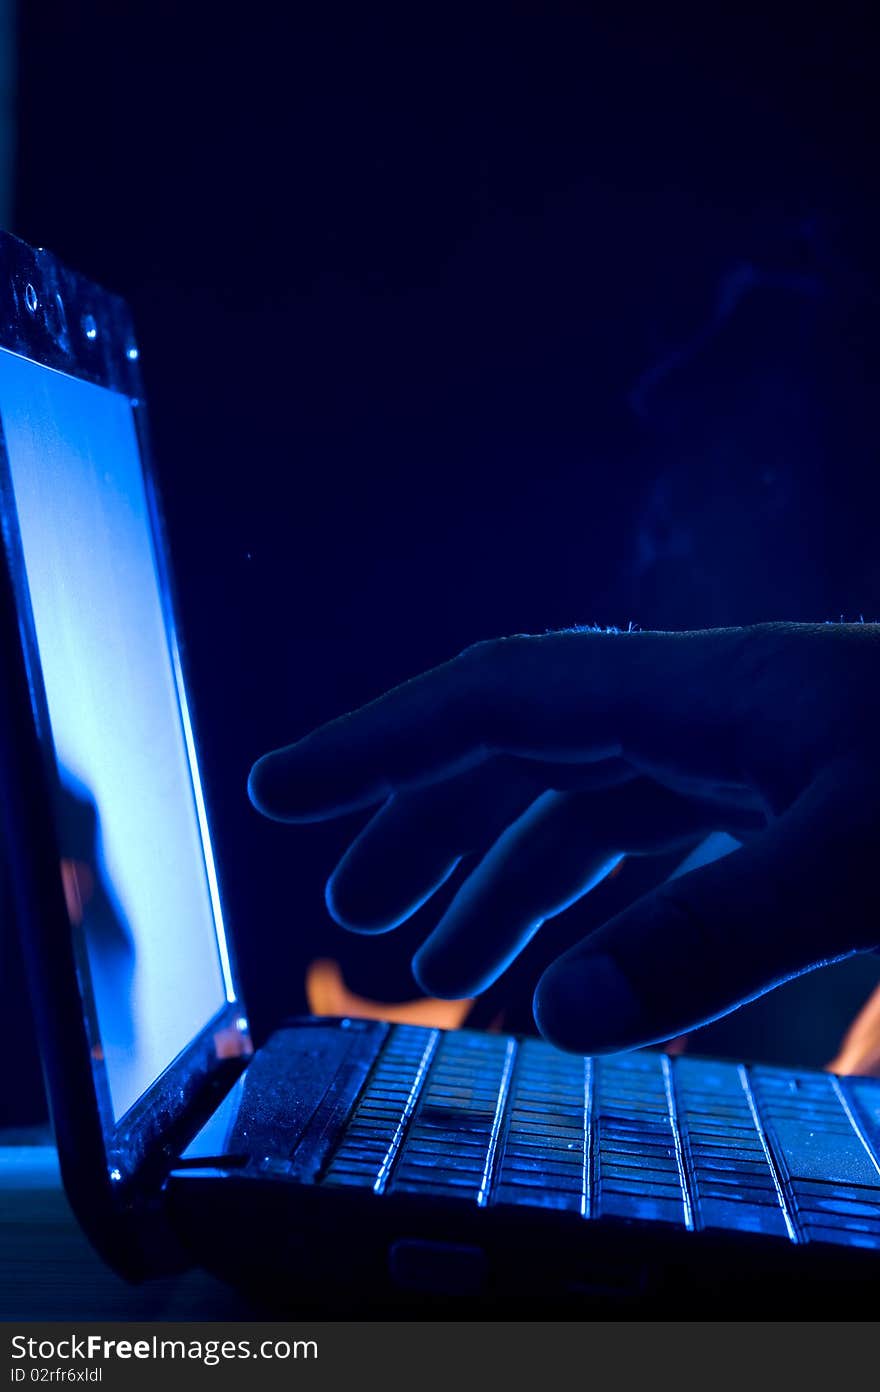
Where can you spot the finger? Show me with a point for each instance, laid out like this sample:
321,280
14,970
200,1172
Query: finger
800,894
562,846
414,842
572,697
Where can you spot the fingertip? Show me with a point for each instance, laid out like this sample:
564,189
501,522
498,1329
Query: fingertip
298,785
440,979
587,1006
276,794
551,1014
350,913
260,786
428,980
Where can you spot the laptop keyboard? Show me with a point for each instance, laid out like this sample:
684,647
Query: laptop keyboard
700,1144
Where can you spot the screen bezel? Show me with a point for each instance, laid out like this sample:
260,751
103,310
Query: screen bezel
60,321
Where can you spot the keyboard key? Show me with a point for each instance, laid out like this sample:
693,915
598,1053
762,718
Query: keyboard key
568,1127
741,1127
846,1207
655,1188
436,1177
466,1129
840,1221
817,1233
660,1134
635,1206
530,1147
450,1191
348,1166
529,1179
355,1181
471,1153
750,1150
357,1151
420,1163
814,1154
646,1153
743,1217
858,1193
609,1169
545,1197
729,1193
514,1164
729,1164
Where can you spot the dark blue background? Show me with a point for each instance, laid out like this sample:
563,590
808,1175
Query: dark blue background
459,325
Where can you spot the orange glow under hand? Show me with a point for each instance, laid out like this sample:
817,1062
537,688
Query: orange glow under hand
860,1050
327,994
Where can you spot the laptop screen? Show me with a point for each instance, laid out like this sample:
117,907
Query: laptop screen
137,868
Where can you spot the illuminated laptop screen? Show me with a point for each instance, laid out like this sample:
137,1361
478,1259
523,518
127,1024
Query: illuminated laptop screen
138,874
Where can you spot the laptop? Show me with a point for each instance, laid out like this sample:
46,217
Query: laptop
346,1165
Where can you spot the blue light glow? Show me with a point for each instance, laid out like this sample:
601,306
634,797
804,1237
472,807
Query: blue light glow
743,1074
152,927
666,1066
409,1107
503,1090
213,887
588,1133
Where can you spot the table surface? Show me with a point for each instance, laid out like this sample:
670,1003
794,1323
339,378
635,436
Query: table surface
48,1271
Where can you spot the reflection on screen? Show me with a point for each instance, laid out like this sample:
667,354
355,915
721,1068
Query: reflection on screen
134,869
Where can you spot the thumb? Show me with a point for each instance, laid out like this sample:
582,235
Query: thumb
803,893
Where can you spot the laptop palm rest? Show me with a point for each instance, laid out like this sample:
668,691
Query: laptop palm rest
293,1097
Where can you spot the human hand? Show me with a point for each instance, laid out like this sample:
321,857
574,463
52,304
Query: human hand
550,757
